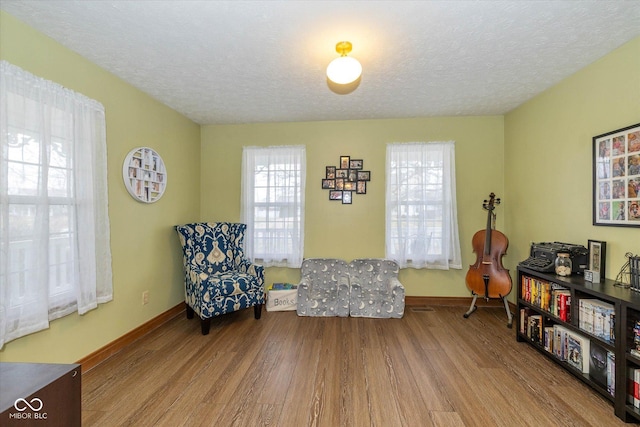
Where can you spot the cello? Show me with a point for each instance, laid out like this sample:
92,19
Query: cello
487,276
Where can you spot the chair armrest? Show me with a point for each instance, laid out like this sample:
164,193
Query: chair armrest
195,274
344,282
246,266
394,285
304,284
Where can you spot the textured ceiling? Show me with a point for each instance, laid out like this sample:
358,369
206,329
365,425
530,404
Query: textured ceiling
264,61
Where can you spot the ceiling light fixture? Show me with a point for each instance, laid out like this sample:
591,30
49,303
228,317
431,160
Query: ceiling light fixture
346,69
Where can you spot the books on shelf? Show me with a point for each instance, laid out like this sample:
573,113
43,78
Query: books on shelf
548,296
531,325
598,364
611,373
602,367
524,316
535,328
562,307
634,272
633,386
560,337
548,338
282,286
578,351
597,317
635,344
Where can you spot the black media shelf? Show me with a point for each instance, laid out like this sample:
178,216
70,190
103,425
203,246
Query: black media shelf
548,314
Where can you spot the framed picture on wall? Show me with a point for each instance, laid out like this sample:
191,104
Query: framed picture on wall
344,162
346,197
346,179
335,195
355,164
331,172
349,185
616,177
328,183
364,176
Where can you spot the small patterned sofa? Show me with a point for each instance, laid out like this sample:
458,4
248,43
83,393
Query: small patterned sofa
375,289
364,288
218,277
323,290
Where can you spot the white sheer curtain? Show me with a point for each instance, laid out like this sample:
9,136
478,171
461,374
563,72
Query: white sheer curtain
55,257
421,213
273,186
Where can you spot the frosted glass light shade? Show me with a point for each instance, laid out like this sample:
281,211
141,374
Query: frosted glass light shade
344,70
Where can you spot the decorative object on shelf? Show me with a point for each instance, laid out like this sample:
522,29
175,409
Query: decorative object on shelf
597,258
345,69
144,174
616,177
346,179
629,274
563,264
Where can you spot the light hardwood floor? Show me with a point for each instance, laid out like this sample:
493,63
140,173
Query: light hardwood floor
431,368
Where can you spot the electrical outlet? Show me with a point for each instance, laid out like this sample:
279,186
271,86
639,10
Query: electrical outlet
145,297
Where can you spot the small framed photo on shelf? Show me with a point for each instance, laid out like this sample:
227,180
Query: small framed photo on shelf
344,162
335,195
346,197
597,258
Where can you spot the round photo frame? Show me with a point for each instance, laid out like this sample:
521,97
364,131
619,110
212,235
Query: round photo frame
144,174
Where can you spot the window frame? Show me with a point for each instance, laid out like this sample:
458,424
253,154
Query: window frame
258,246
55,256
419,240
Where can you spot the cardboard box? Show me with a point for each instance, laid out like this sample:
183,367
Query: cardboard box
282,300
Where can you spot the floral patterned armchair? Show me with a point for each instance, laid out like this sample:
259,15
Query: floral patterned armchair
323,290
218,277
375,289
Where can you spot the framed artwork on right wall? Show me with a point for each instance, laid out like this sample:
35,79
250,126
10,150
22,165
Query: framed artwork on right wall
616,177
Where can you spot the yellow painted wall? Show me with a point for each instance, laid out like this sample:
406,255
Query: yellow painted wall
522,157
357,230
145,248
548,154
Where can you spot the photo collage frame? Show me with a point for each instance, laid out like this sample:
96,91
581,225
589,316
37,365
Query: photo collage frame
346,179
616,177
